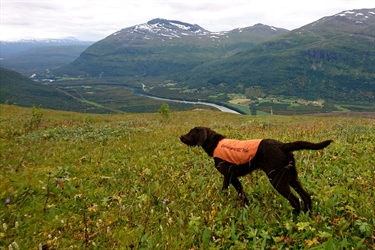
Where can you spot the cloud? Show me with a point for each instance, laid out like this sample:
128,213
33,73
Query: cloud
94,20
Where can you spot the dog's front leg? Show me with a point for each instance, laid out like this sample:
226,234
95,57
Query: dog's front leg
224,168
228,170
226,182
241,193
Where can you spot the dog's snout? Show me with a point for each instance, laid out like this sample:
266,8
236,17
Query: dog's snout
186,140
183,138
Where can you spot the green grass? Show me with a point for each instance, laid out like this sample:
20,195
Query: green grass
125,181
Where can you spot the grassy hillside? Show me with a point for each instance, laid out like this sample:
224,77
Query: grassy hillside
20,90
124,181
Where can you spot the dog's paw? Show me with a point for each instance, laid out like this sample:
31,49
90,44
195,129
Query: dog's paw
244,200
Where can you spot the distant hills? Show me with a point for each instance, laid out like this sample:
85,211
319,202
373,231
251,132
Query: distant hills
41,59
9,48
36,56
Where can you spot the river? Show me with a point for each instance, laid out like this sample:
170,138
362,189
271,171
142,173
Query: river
221,108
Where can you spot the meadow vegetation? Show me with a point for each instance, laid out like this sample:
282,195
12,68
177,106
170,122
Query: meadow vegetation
125,181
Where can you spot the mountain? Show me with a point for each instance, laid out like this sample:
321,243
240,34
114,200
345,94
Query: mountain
332,58
31,57
163,47
9,48
37,61
20,90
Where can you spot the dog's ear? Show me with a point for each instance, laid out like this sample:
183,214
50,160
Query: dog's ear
200,136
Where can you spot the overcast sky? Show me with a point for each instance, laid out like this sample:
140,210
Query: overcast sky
93,20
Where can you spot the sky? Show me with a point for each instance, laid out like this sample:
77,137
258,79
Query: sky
93,20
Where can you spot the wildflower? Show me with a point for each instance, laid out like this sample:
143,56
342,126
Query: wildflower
14,245
7,201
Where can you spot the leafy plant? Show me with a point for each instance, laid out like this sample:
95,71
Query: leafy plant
35,120
164,110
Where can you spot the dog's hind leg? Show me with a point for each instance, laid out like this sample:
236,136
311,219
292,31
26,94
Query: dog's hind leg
280,181
296,185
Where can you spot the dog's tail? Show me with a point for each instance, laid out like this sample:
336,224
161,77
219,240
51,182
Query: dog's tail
299,145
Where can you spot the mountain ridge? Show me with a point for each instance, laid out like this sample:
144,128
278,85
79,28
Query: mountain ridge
163,47
10,48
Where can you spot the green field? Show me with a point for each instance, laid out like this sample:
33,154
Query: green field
125,181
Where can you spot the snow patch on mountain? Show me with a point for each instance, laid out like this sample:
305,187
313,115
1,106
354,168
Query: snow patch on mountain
161,28
180,26
358,17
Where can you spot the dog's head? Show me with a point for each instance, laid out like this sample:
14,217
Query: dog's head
201,135
195,137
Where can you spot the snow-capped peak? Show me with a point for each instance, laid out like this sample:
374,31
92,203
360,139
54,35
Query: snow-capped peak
163,29
160,29
358,16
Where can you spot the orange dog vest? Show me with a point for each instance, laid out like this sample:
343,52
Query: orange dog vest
236,151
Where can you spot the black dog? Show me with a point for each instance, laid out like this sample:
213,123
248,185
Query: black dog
275,158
